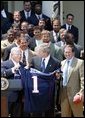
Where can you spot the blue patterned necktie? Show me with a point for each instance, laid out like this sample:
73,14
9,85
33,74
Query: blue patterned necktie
66,74
43,65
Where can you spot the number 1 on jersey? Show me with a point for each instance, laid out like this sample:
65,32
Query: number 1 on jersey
35,84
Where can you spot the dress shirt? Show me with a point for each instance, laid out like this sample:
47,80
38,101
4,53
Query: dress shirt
46,60
62,43
55,35
65,75
3,13
67,26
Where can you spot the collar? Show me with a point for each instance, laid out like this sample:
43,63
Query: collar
46,58
70,60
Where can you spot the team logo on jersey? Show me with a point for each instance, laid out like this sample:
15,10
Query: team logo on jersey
4,83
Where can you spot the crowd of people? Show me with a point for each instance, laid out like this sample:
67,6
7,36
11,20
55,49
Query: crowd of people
27,38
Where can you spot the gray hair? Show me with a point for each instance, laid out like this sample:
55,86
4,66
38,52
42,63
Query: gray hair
45,47
15,50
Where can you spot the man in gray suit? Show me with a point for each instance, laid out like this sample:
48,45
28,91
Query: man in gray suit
72,91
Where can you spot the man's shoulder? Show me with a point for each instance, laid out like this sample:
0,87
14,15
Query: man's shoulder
76,28
22,11
63,26
55,60
5,63
45,16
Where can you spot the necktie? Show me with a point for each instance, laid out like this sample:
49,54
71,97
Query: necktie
69,27
43,65
27,14
24,58
66,74
39,17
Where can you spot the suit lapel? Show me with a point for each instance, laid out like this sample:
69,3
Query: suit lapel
11,63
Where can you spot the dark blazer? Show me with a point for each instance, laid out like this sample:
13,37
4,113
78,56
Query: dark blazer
52,65
32,44
77,49
6,71
74,30
6,22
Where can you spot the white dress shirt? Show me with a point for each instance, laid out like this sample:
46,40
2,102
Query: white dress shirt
3,13
55,36
67,26
46,60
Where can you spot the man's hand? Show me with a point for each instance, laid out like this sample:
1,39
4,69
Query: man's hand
15,68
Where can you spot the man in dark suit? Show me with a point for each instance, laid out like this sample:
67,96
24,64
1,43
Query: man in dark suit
69,26
8,70
51,64
27,14
39,15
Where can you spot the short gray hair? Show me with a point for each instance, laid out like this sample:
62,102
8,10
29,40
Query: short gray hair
45,47
15,50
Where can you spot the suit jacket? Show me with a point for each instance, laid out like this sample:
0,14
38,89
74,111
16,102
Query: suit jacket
56,51
75,79
53,64
74,30
77,49
6,71
32,44
6,22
